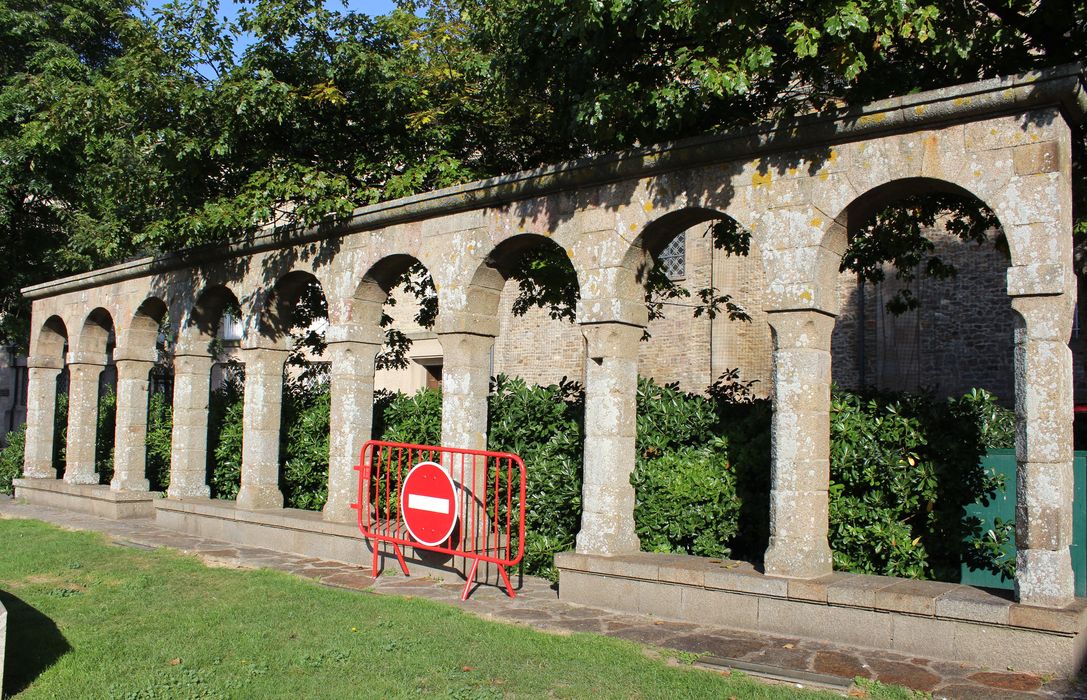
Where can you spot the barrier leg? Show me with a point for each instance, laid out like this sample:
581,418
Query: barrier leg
375,572
506,578
470,581
400,558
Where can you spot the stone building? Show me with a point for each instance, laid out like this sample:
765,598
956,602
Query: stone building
799,189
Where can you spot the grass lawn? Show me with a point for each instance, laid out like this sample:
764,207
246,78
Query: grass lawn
87,619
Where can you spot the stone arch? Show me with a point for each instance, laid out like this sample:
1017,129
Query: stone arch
201,324
52,339
96,336
278,314
874,347
532,320
139,339
373,290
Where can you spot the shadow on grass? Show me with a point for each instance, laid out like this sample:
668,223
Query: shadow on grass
34,644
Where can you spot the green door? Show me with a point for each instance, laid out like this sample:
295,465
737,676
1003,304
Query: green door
1003,506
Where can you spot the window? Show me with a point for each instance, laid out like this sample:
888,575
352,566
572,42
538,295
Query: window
230,328
673,259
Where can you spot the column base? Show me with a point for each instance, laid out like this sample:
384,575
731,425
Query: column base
798,559
338,512
259,497
1044,578
175,490
41,474
82,479
607,535
130,485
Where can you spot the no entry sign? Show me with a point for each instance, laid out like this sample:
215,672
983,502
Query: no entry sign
428,501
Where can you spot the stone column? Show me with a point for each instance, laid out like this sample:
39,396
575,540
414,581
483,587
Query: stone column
82,422
189,436
611,386
41,407
1043,450
130,442
800,445
350,422
466,377
260,429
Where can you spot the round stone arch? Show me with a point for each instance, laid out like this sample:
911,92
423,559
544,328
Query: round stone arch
138,338
275,313
93,343
50,339
200,324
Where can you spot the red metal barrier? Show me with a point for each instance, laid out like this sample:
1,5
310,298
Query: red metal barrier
488,504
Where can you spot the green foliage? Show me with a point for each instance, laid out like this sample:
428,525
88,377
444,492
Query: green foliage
687,501
105,434
160,419
415,419
902,469
304,444
60,432
11,458
543,425
225,438
686,474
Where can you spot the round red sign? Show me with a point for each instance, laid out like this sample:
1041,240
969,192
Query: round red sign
428,501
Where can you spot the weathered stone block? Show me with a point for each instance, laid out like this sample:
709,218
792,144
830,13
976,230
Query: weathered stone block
973,604
857,591
914,597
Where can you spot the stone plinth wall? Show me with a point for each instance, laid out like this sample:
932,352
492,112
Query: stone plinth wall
933,620
93,499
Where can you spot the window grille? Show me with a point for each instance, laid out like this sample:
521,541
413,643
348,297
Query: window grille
673,259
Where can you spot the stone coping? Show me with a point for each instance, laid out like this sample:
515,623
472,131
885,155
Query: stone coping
931,599
99,492
1061,86
285,518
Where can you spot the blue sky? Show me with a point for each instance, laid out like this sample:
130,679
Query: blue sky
229,8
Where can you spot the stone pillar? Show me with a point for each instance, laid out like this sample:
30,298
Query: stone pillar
260,426
466,378
189,436
1043,450
82,422
41,407
800,445
350,422
611,387
130,442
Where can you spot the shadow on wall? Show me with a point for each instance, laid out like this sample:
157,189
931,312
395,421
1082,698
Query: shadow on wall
34,644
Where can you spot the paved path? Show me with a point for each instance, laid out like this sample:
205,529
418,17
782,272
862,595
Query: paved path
537,605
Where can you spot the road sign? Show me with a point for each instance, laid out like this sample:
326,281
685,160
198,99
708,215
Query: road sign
428,501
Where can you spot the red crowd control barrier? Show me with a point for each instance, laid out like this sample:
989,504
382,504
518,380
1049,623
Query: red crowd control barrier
468,503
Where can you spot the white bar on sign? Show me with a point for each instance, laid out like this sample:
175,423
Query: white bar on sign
428,503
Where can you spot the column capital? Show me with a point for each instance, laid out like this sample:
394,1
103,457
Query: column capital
265,360
98,359
129,364
45,362
463,323
193,364
1044,317
803,328
612,339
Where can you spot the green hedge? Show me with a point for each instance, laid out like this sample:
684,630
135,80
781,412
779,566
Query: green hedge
902,466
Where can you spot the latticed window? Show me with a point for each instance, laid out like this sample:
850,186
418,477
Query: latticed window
673,259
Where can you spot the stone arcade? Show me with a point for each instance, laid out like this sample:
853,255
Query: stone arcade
797,188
